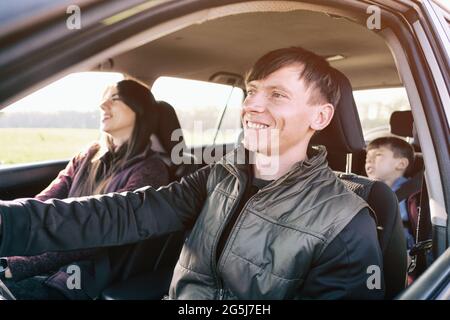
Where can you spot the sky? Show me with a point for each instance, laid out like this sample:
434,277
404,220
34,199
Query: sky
76,92
182,93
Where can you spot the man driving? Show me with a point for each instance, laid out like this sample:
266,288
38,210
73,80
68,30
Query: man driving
270,220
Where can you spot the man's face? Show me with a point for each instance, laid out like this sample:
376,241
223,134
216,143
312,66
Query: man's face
277,107
382,165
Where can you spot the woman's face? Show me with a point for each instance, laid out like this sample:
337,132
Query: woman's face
117,118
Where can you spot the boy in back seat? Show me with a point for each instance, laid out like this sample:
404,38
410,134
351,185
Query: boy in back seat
387,160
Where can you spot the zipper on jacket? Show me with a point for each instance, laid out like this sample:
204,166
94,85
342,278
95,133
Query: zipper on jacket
221,294
215,258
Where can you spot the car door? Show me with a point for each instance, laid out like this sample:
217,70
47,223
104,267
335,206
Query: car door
25,181
432,26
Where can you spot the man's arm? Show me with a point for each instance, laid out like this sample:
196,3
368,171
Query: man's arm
30,227
152,172
342,270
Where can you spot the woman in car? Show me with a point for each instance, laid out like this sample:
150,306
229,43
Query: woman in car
121,160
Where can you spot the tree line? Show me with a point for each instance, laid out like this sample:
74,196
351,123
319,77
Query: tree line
62,119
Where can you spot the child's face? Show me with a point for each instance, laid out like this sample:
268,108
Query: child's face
383,166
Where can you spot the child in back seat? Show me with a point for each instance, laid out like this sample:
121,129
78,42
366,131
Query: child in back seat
387,160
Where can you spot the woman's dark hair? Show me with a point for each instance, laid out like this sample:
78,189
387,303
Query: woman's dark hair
139,98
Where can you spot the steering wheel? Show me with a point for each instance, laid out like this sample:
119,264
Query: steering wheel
5,294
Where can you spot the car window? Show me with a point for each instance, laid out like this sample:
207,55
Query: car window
55,122
208,112
375,107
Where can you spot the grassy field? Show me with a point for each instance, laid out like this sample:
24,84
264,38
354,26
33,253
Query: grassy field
24,145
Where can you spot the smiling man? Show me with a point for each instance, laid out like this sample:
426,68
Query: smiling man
289,231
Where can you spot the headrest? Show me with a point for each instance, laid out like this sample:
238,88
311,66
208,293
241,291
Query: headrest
402,123
162,143
344,133
168,122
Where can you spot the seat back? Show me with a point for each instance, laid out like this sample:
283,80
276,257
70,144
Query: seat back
390,228
168,147
414,192
344,136
168,124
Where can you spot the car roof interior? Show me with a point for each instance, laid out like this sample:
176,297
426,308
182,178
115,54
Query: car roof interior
230,44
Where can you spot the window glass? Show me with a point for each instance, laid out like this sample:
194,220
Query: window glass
200,109
55,122
375,107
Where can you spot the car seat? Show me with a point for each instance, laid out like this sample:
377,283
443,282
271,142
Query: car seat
344,136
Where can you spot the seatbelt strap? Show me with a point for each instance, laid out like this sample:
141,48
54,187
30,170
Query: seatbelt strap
421,245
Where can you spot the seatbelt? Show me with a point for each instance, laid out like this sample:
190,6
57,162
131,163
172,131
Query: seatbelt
411,187
421,246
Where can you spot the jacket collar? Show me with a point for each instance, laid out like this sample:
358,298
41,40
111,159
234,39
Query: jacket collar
107,157
238,160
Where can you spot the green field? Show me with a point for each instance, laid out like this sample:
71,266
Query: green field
24,145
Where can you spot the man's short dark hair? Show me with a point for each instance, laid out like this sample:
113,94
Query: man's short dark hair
316,72
399,147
